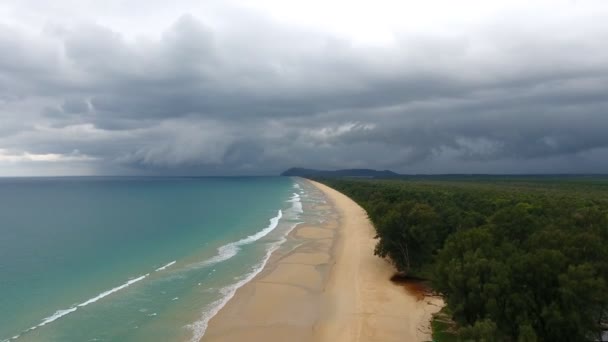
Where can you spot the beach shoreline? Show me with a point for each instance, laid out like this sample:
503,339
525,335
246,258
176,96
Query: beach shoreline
327,287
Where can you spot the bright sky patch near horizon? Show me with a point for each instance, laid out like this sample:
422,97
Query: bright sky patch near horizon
253,87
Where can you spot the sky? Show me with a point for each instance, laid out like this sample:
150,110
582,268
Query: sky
184,87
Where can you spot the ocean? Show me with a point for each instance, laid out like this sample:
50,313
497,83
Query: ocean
133,259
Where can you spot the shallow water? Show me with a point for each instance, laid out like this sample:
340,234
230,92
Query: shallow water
133,259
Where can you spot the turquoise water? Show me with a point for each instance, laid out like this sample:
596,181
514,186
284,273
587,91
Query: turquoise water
132,259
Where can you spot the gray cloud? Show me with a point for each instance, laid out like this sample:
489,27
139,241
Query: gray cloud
254,95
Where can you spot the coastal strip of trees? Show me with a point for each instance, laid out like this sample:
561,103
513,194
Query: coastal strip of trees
514,261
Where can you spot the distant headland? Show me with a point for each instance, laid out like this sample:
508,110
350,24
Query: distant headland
362,173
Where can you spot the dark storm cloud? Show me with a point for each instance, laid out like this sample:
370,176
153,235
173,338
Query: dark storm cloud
257,96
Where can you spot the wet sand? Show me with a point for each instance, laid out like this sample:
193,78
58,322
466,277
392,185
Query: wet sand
329,288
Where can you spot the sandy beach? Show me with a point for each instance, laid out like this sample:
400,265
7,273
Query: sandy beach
330,287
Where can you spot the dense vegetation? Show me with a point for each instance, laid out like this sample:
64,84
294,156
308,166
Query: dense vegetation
515,259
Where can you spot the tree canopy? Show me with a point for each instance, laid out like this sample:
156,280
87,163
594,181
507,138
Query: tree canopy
515,261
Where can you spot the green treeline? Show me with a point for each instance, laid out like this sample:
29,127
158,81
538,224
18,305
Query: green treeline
514,261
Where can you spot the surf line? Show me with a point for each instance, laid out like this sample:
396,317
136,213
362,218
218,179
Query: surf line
60,313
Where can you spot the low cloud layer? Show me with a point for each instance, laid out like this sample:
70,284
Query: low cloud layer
222,89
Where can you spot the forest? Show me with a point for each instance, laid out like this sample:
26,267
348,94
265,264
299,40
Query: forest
515,259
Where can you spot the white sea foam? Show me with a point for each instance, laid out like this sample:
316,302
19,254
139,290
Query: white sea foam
274,222
12,338
296,185
224,252
109,292
164,267
60,313
296,203
229,250
199,327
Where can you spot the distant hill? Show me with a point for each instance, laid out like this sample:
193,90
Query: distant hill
362,173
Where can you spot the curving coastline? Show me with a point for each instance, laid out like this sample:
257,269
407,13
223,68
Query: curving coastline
328,287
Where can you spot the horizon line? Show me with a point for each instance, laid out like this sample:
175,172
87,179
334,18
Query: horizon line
278,175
